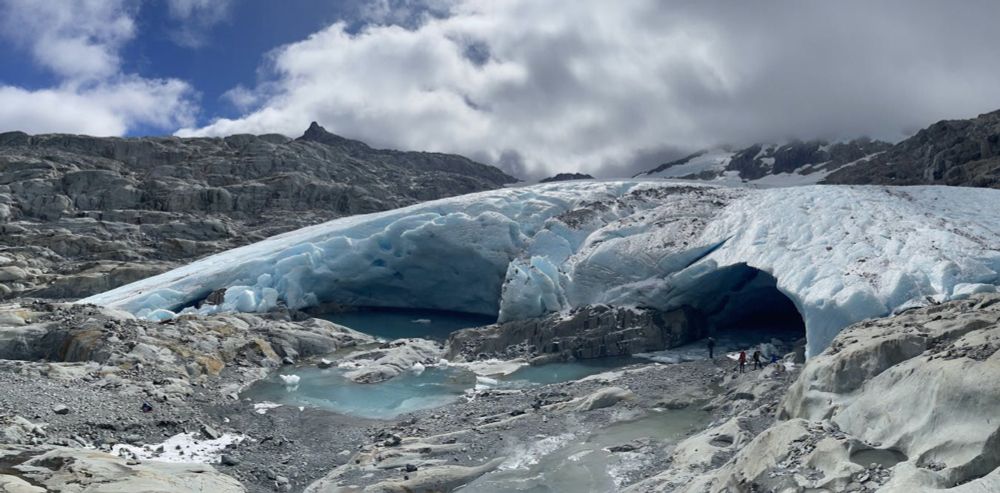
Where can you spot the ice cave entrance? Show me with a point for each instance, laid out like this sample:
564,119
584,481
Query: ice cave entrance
398,323
750,311
744,310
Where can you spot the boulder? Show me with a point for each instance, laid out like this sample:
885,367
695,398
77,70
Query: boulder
10,273
599,399
390,360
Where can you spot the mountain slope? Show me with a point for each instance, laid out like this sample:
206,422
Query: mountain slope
793,163
949,152
101,211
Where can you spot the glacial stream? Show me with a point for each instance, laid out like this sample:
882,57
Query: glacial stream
593,460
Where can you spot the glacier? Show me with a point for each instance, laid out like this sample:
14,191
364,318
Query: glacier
840,254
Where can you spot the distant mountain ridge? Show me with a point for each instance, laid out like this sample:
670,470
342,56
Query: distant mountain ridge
566,177
791,163
949,152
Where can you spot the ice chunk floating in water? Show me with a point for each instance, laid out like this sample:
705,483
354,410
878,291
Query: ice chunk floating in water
841,254
291,382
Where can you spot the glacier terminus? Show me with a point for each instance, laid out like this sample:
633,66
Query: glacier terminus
840,254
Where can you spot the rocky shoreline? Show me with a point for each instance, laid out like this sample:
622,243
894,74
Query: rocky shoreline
67,415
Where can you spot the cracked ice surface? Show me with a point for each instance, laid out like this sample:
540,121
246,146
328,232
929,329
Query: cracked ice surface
841,254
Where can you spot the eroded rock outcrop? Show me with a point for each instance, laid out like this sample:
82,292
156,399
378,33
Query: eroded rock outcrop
907,403
30,469
161,362
587,332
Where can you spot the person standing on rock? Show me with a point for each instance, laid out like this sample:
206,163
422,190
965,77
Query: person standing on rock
711,348
743,360
758,364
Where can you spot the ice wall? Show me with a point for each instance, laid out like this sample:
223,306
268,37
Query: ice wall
841,254
448,254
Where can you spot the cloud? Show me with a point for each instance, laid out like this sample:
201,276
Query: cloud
407,13
593,85
79,42
194,18
102,110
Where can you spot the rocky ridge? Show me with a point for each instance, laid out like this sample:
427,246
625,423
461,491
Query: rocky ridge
80,215
802,161
949,152
565,177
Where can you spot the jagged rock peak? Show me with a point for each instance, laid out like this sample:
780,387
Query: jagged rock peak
316,133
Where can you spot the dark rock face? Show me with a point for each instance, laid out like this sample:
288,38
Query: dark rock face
760,160
566,177
950,152
587,332
88,207
752,164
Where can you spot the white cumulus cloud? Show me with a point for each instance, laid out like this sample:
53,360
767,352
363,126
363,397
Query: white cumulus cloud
591,85
73,39
79,42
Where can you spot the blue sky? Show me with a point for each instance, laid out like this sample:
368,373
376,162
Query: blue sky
230,54
233,50
533,86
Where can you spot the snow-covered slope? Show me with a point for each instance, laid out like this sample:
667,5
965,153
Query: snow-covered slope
770,165
841,254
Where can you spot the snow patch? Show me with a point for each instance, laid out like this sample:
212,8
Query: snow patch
183,447
264,407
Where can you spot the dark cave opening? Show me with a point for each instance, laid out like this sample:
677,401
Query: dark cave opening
744,307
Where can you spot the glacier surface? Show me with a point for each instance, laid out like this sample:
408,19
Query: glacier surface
841,254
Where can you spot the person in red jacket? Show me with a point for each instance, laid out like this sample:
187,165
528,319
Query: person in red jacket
743,360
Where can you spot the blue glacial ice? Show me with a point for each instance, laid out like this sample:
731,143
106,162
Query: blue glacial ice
841,254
